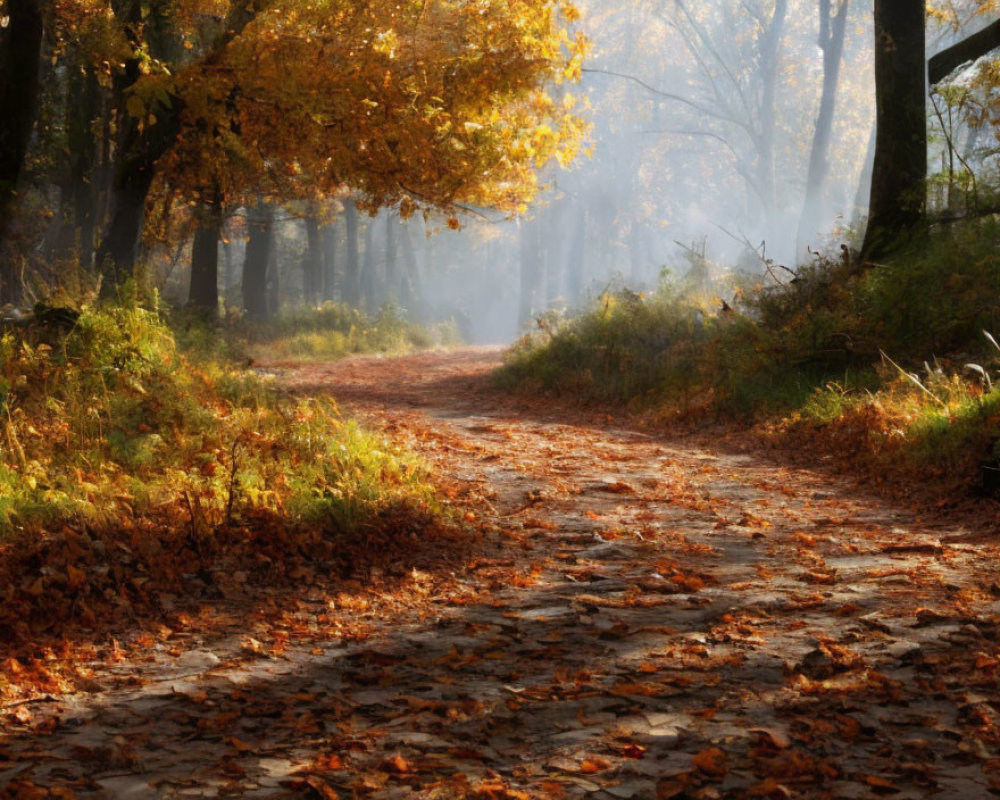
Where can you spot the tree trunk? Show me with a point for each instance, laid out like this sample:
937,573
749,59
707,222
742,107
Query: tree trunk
861,195
203,296
969,49
312,263
329,233
351,292
410,293
140,145
832,31
369,271
770,60
275,282
392,287
258,255
20,56
899,171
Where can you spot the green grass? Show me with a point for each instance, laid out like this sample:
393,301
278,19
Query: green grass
112,422
874,357
334,331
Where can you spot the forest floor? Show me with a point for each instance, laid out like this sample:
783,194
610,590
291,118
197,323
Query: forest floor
630,615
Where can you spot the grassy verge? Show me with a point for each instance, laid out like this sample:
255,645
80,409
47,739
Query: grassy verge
334,331
871,363
130,473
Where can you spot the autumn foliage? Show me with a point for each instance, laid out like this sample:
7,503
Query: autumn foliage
135,482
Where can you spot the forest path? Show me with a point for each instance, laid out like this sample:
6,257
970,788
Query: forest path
648,618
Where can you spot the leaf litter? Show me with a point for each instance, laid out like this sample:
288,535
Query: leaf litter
624,616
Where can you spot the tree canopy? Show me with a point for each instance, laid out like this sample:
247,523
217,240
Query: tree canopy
433,103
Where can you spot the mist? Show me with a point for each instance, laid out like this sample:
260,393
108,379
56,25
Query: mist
730,142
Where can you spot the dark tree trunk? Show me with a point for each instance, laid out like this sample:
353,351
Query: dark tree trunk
899,171
275,284
203,296
20,56
140,145
831,41
83,145
351,292
258,255
969,49
134,173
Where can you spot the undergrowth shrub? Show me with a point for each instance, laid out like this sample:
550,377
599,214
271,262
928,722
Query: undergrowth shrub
335,330
838,345
112,422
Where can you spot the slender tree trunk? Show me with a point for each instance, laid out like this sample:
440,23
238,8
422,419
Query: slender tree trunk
391,294
369,271
352,286
770,59
20,56
203,296
410,294
275,280
832,31
84,166
861,196
260,225
899,172
312,263
329,233
228,267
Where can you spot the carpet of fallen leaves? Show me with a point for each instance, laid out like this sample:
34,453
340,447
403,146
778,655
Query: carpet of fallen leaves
628,615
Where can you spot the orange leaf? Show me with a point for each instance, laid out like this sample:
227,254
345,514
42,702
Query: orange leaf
878,783
667,789
592,765
397,764
633,750
74,577
711,761
330,762
322,788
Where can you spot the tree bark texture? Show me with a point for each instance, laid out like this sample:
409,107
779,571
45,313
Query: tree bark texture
351,292
899,171
20,55
260,224
203,296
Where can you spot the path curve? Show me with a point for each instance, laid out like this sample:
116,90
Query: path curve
647,618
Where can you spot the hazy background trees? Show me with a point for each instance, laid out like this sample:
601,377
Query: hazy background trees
725,137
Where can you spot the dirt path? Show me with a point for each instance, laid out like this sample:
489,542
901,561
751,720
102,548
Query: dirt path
646,619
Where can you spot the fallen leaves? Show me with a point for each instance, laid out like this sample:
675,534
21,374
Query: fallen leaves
712,761
688,664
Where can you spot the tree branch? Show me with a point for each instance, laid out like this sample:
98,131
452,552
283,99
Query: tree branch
969,49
